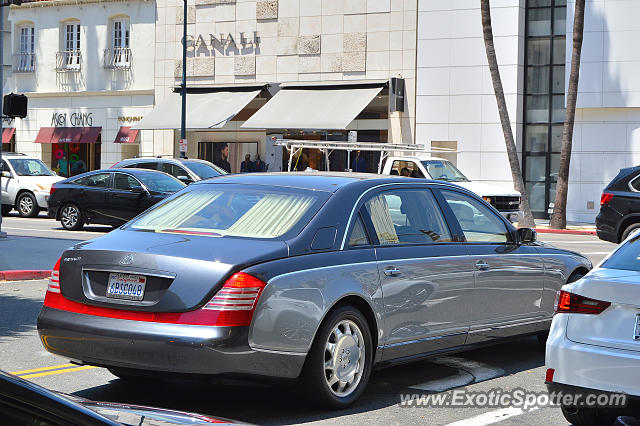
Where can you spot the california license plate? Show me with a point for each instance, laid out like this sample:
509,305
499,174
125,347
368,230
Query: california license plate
126,286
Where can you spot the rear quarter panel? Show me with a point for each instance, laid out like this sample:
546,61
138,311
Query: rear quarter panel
558,266
301,291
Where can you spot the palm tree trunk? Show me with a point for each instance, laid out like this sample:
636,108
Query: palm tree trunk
514,160
559,216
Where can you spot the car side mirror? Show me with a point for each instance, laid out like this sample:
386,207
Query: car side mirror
138,189
6,174
185,179
527,235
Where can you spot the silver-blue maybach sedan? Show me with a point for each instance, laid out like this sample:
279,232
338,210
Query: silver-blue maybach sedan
310,276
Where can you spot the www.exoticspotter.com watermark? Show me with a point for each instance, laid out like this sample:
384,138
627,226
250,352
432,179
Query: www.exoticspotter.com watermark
520,398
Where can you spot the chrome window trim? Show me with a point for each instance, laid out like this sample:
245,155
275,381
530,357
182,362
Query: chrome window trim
630,184
425,185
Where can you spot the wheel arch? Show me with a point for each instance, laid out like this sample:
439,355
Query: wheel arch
580,270
625,223
19,193
361,304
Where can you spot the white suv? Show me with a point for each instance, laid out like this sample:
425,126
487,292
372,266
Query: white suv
25,184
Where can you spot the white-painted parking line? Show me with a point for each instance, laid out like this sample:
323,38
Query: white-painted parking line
596,252
492,417
575,242
469,371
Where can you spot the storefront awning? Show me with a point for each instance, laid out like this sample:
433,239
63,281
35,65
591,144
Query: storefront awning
7,134
126,135
204,110
68,135
312,108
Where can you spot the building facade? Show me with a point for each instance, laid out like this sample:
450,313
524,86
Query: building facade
455,99
328,61
87,68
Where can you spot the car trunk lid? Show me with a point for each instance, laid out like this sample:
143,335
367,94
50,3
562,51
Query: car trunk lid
618,326
181,272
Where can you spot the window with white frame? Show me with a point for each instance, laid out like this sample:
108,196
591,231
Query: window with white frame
72,45
121,54
26,57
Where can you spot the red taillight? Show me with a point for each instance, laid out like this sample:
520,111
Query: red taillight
233,305
549,375
570,303
52,190
605,198
54,280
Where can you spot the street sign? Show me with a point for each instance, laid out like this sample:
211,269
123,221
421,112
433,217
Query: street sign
183,145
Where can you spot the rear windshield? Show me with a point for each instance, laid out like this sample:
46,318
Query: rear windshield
233,210
160,182
627,257
204,170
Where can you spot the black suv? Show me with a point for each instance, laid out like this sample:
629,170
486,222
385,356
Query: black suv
620,206
187,170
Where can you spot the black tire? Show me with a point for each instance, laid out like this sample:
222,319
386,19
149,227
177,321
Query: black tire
628,230
71,217
575,277
27,205
315,376
579,416
6,208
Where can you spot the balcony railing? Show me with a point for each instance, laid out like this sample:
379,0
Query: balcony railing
117,58
69,61
24,62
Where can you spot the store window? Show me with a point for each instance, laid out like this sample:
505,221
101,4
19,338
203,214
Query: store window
544,100
71,159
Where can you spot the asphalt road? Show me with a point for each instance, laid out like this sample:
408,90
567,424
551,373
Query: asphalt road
518,364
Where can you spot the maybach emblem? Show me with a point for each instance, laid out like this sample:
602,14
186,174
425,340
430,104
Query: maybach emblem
127,260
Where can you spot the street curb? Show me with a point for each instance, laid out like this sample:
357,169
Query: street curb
564,231
20,275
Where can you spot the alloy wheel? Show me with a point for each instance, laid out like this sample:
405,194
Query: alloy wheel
26,205
69,216
344,358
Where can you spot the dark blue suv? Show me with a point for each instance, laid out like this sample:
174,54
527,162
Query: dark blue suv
620,206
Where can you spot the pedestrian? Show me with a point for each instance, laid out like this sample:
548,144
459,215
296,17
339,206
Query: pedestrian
222,161
247,166
258,165
359,164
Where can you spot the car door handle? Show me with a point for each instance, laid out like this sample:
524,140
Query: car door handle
482,265
391,271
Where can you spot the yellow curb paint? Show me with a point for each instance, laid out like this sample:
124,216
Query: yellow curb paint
50,373
53,367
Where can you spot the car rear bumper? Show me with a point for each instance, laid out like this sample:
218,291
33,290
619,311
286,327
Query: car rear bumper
589,366
191,349
606,229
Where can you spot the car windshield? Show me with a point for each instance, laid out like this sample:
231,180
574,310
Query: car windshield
627,257
30,167
232,210
159,182
444,170
204,170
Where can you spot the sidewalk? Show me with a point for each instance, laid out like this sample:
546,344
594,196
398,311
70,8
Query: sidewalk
30,257
577,228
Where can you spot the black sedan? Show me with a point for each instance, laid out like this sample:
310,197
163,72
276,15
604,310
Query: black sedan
25,403
108,197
